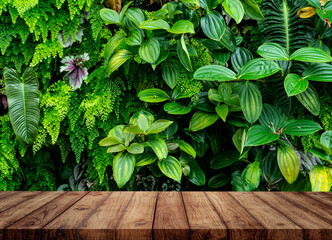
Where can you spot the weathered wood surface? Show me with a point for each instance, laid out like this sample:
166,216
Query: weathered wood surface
165,215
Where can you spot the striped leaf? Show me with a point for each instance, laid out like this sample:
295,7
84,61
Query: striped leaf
187,148
310,54
326,140
320,179
112,45
235,9
135,15
218,181
149,51
119,132
136,148
260,135
222,111
251,9
170,73
251,101
183,54
114,4
288,162
201,120
175,108
109,141
109,16
251,176
158,145
310,100
213,25
240,58
215,73
134,119
153,95
294,84
182,26
270,117
119,58
171,168
145,159
214,96
224,159
196,175
135,38
239,139
159,126
318,72
273,51
154,25
300,127
258,68
116,148
123,168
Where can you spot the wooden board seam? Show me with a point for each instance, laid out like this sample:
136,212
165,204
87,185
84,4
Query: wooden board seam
154,214
185,211
20,202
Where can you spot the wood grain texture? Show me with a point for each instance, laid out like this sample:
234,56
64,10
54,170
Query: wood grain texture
6,194
277,225
101,224
15,199
314,227
22,209
137,220
325,198
211,225
170,220
240,224
64,226
321,210
30,226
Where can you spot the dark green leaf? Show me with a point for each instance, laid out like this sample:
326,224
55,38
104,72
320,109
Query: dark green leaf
123,168
224,159
260,135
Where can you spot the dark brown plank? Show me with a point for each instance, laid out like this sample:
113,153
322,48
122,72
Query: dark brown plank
321,210
211,225
170,220
30,226
21,210
5,194
64,226
101,224
137,220
325,198
15,199
314,227
240,224
277,225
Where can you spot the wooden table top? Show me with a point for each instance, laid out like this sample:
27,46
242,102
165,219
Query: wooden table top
165,215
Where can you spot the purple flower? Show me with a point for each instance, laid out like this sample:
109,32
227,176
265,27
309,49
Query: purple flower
77,73
4,101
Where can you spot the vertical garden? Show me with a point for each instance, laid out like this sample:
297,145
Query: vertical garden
166,95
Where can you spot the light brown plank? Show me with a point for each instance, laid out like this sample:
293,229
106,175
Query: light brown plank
101,224
314,227
15,199
64,226
277,225
325,198
30,226
321,210
210,226
21,210
240,224
5,194
137,220
170,220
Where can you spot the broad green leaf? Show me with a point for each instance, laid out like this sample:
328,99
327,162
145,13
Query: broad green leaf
134,130
109,141
213,25
240,57
271,117
109,16
273,51
116,148
119,58
251,9
260,135
224,159
228,39
310,100
23,103
221,55
237,181
161,13
134,120
136,148
112,45
225,91
196,175
187,148
258,68
182,26
320,179
251,101
135,38
251,176
300,127
270,167
171,168
222,111
214,96
318,72
201,120
294,84
183,54
234,8
288,162
218,181
145,159
310,54
123,168
215,73
320,153
153,95
326,139
154,25
239,139
123,11
149,51
315,3
158,145
135,15
170,73
179,94
158,126
176,108
118,131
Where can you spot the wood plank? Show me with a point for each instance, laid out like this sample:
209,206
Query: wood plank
170,220
22,209
30,226
321,210
64,226
240,224
325,198
5,194
314,227
101,224
277,225
14,199
137,220
211,225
